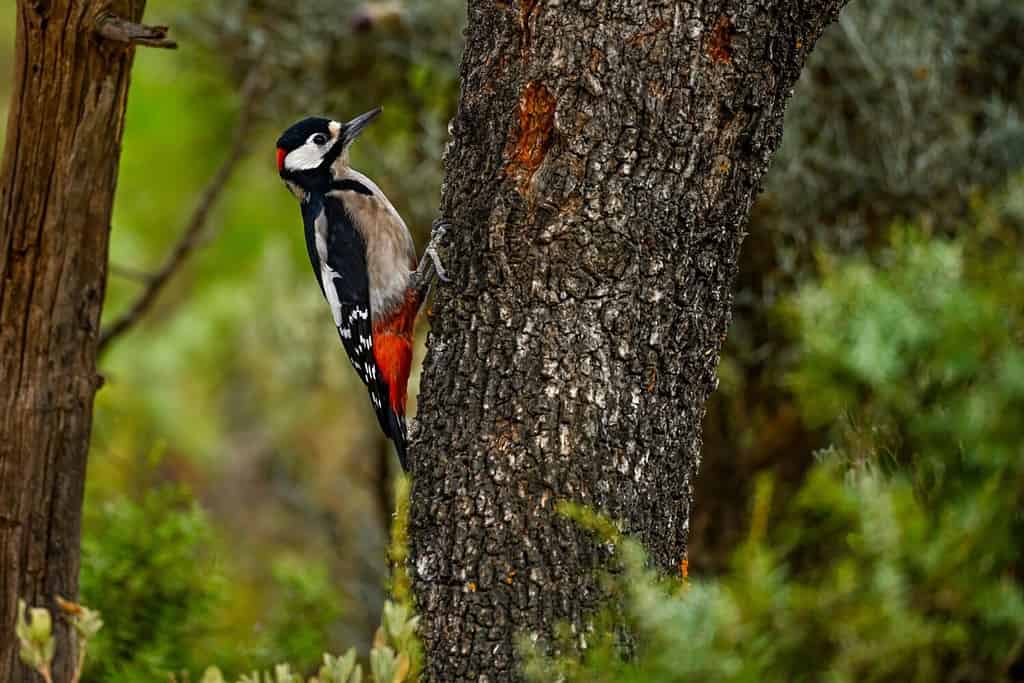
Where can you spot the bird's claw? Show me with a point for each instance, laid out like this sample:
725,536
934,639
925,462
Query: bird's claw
438,230
438,268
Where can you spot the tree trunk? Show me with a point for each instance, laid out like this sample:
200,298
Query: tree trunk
606,155
56,193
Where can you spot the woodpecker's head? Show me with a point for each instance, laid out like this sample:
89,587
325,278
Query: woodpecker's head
308,152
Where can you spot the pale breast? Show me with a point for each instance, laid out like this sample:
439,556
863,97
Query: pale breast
390,253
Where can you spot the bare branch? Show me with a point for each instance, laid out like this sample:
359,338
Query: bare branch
129,273
112,27
192,236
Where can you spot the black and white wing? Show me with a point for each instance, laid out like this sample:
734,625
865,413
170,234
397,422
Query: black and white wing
337,253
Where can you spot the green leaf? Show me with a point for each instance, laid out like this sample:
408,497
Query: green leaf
383,664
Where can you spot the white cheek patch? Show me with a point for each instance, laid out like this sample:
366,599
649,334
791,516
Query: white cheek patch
304,158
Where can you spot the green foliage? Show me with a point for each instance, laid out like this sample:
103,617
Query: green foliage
35,638
899,557
899,113
903,112
305,613
148,562
159,595
317,62
37,644
394,658
158,567
398,550
396,653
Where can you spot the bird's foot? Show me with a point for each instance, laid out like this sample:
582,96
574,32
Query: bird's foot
430,265
439,270
438,230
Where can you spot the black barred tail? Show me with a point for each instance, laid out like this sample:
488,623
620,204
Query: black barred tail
393,426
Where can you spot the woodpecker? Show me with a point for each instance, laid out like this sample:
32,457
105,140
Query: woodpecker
363,258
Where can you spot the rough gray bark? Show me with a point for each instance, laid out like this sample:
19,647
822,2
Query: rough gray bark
56,194
606,155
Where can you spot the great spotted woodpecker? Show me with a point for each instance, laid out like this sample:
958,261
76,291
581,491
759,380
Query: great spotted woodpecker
363,258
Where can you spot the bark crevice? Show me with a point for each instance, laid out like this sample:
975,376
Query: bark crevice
605,158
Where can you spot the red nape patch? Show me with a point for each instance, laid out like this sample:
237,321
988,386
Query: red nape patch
281,154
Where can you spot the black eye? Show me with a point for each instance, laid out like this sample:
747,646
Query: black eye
319,139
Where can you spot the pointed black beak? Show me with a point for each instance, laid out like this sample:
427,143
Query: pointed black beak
353,128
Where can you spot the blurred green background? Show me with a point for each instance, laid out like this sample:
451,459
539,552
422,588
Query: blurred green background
238,494
238,498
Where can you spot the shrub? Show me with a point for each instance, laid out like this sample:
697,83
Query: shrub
899,557
148,562
391,659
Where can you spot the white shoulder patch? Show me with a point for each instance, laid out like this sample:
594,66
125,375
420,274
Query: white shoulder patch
328,274
320,233
331,292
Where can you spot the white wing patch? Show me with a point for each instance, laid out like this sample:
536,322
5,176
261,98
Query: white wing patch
331,292
351,320
320,231
328,274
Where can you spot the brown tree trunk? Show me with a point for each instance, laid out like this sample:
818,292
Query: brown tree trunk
56,194
606,155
